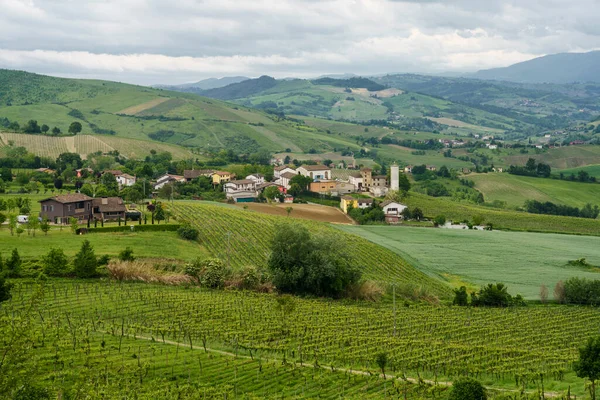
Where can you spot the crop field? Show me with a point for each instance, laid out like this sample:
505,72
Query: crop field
561,158
243,237
405,156
501,218
144,336
302,211
515,190
522,260
593,170
144,106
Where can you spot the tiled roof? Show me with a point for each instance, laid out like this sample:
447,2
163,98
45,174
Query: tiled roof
69,198
109,204
315,167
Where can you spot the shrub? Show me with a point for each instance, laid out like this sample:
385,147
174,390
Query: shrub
495,295
139,271
55,263
467,389
214,273
439,220
13,264
126,254
4,289
365,290
103,259
188,233
460,297
582,291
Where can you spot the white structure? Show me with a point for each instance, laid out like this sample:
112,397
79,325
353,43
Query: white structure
244,185
395,177
492,146
167,179
356,179
278,171
285,178
257,178
393,211
315,172
125,180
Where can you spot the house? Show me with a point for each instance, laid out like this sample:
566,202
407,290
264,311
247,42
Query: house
243,185
191,174
408,169
492,146
125,180
315,172
257,178
367,178
220,177
356,179
323,187
576,142
285,178
539,146
114,172
108,208
167,179
348,201
431,167
393,211
59,209
278,171
45,170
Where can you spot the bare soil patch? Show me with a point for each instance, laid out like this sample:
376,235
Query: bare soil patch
144,106
313,212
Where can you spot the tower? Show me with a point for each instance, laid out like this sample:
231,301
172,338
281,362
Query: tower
395,177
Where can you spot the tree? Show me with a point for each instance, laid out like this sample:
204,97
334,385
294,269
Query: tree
159,213
74,223
55,131
295,189
492,295
588,365
13,264
75,128
85,262
45,225
531,165
271,193
4,289
559,292
55,262
32,127
126,254
382,359
2,219
45,128
302,181
460,297
110,182
33,223
403,183
417,214
478,219
467,389
58,183
439,220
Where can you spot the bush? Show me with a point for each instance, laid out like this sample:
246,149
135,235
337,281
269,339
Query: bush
210,272
103,259
460,297
13,264
126,254
188,233
582,291
440,220
55,263
495,295
4,289
467,389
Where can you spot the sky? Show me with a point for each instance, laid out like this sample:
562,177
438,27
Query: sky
169,42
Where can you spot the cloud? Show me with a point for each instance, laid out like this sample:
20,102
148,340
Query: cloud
154,41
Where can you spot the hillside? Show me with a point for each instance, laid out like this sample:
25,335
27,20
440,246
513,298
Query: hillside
205,84
554,68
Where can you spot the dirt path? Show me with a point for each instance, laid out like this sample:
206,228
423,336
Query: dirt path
334,369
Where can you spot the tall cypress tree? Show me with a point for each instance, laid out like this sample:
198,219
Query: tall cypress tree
85,262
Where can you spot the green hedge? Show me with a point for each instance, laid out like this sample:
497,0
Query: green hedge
136,228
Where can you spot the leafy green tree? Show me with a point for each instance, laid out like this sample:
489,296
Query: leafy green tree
159,212
492,295
271,193
110,182
55,262
32,127
302,181
2,219
55,131
75,128
439,220
4,289
74,223
45,225
58,183
295,189
403,183
33,223
588,365
417,214
13,264
45,128
289,210
460,297
382,359
467,389
85,262
126,254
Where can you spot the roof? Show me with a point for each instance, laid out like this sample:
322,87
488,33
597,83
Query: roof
315,167
367,201
355,175
221,173
194,173
109,204
115,172
257,175
127,176
266,185
388,202
282,167
348,198
69,198
288,175
242,182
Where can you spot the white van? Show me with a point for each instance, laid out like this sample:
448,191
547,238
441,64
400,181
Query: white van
22,219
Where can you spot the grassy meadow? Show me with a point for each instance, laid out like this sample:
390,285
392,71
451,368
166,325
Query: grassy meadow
514,190
522,260
593,170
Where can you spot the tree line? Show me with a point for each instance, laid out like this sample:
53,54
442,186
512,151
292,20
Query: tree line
549,208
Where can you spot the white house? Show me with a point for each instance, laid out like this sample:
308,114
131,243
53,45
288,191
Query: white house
257,178
167,179
285,178
243,185
278,171
392,210
315,172
492,146
125,180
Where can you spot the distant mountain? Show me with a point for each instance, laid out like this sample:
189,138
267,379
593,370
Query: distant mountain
350,83
339,76
242,89
206,84
555,68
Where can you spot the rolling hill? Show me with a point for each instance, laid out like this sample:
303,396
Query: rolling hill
554,68
205,84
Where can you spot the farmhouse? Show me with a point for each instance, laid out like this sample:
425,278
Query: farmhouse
191,174
108,208
367,178
393,211
356,179
278,171
257,178
348,201
167,179
45,170
125,180
220,177
408,169
315,172
59,209
285,178
243,185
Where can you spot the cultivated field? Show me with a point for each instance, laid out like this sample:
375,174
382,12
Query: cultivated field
515,190
144,106
593,170
312,212
524,261
163,339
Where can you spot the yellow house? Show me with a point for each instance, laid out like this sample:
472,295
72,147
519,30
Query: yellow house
220,177
346,202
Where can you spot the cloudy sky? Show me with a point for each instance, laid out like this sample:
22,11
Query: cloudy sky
177,41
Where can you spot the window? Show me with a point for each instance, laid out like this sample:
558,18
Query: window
44,208
68,207
51,208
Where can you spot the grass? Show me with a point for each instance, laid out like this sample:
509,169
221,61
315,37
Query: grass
566,157
524,261
515,190
501,218
144,244
593,170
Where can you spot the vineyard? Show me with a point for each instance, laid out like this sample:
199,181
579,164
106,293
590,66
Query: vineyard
151,340
243,238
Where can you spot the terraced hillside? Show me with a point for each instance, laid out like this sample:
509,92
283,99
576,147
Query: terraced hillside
243,237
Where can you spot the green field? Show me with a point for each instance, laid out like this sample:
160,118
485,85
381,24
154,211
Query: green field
593,170
566,157
148,340
524,261
501,218
515,190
